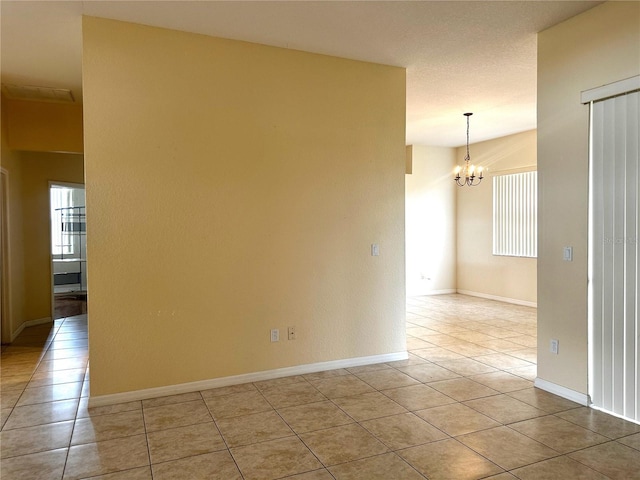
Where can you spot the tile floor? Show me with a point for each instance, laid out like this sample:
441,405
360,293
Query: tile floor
462,407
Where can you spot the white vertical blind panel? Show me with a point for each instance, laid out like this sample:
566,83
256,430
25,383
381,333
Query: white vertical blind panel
614,212
515,218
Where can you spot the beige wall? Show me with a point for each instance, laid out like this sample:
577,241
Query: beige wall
16,298
44,126
430,221
38,169
479,272
598,47
233,188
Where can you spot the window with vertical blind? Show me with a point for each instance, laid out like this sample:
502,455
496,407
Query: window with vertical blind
515,214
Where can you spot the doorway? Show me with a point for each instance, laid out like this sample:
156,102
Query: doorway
68,249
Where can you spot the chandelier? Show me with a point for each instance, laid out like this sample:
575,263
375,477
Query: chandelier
468,174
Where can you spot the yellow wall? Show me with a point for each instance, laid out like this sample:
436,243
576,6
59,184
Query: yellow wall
430,221
600,46
38,169
478,270
16,298
44,126
233,188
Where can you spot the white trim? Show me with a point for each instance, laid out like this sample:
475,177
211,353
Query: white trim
29,323
101,400
514,301
564,392
610,90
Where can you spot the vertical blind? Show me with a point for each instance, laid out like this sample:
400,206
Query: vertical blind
613,256
515,214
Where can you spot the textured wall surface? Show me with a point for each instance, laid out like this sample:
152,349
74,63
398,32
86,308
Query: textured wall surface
233,188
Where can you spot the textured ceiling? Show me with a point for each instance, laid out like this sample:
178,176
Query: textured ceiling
474,56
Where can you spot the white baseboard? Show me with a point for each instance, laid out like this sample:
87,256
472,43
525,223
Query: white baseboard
514,301
101,400
29,323
564,392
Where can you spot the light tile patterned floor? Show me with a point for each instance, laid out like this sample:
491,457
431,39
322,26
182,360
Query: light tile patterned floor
462,407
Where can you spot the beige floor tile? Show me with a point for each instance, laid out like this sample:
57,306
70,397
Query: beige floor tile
507,448
176,415
504,409
41,413
23,441
321,474
528,354
614,460
558,434
559,468
106,427
229,390
375,367
258,427
428,372
51,393
437,354
403,431
382,467
313,377
418,397
171,399
94,459
369,405
462,389
4,416
456,419
343,444
342,386
8,399
85,411
314,416
410,360
209,466
175,443
528,341
414,343
237,404
502,381
13,382
528,373
47,465
141,473
42,379
448,460
632,441
289,395
274,459
278,382
504,476
62,364
466,366
546,401
502,361
65,353
501,345
600,422
386,379
469,349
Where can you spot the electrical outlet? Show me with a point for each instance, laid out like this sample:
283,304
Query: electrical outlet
553,346
275,335
291,332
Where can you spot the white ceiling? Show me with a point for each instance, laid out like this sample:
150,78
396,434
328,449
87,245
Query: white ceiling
461,56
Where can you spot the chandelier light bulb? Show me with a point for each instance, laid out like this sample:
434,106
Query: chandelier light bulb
470,177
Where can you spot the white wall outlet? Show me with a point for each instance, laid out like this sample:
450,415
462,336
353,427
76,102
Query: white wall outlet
291,333
553,346
275,335
375,249
567,254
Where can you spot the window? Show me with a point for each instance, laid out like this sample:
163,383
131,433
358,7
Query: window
515,214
